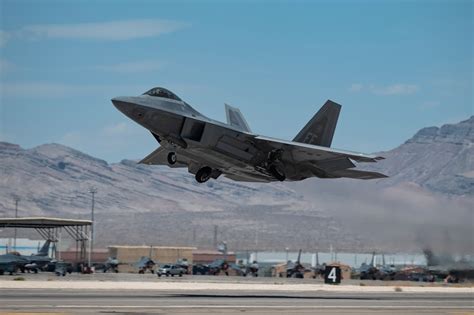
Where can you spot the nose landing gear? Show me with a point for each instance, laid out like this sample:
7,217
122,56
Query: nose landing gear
172,158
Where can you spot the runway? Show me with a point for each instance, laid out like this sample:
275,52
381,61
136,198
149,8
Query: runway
231,302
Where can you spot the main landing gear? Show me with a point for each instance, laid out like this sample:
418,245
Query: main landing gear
275,166
203,174
277,172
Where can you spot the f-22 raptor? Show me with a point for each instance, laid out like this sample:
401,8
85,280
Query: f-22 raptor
209,148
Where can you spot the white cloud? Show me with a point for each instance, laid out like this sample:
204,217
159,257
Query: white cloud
112,30
52,90
5,66
395,89
72,138
41,89
4,37
428,105
356,87
132,67
120,129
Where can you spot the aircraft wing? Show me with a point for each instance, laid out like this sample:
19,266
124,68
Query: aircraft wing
331,162
160,157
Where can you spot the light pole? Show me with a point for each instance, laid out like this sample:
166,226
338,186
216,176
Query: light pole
93,191
17,199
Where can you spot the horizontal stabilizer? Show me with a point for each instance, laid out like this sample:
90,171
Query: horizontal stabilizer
358,174
320,129
335,164
235,118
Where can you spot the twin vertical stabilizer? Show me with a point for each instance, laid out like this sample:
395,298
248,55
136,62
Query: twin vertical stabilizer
320,129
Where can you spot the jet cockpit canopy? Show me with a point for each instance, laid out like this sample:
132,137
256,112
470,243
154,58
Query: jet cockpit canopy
162,92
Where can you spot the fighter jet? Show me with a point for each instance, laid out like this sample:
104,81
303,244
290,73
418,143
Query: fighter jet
209,148
445,266
13,261
144,264
39,260
294,269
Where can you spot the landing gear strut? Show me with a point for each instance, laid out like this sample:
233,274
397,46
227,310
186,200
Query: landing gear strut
203,174
274,158
277,172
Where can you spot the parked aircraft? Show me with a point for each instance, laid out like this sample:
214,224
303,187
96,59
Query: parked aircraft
447,267
294,269
39,260
209,148
12,262
111,264
144,264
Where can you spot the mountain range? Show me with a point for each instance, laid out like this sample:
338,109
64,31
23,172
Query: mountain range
430,189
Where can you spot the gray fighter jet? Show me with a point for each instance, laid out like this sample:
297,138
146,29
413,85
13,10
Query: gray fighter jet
14,261
209,148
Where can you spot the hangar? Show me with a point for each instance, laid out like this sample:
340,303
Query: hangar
51,229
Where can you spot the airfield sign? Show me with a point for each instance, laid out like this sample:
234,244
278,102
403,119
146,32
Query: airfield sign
332,275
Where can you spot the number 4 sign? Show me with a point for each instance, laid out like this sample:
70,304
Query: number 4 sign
332,275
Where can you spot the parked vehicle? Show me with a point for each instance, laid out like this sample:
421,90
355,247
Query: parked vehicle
171,270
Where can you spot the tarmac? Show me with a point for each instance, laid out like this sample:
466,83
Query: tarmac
146,294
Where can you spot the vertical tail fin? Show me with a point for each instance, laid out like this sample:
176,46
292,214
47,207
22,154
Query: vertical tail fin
44,251
235,118
320,129
299,257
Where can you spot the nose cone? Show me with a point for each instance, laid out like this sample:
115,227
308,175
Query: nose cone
123,105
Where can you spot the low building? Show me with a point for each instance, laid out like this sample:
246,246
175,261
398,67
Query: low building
98,256
207,256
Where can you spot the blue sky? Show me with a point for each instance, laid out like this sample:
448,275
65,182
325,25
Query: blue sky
395,66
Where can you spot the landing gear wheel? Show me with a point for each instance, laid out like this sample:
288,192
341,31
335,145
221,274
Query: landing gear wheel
203,174
277,173
172,158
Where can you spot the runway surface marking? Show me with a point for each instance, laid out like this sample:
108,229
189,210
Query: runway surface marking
205,286
388,307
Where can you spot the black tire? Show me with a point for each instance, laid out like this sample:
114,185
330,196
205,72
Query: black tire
204,174
159,275
277,173
172,158
180,274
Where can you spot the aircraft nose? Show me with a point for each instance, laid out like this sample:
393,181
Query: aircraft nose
122,105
